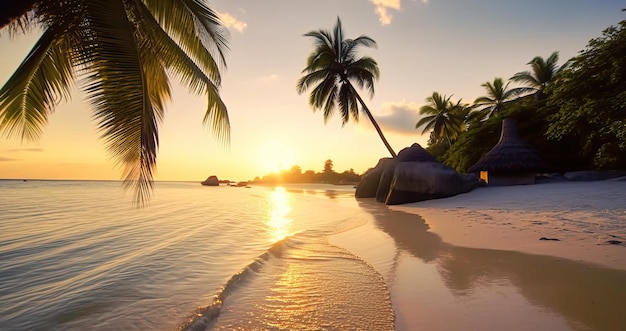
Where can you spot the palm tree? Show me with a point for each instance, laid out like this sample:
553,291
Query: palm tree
444,118
497,95
334,66
15,11
543,72
122,51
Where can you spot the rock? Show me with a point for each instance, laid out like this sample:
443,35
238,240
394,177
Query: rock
367,187
414,175
385,181
415,153
593,175
418,181
211,181
550,239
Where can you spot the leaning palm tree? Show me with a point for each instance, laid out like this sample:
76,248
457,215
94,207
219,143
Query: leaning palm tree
497,95
121,53
543,72
444,118
334,66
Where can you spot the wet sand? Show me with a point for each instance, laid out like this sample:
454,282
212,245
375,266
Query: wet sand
477,261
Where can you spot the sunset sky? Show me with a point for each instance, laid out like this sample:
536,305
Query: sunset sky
451,47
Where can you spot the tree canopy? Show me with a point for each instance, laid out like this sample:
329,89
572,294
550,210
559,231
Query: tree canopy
331,70
122,54
590,98
578,122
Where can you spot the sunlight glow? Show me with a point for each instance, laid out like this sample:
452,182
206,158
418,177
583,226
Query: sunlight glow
275,156
279,209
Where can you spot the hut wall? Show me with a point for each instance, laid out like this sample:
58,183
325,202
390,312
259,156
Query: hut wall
503,179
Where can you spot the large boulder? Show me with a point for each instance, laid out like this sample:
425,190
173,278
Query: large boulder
211,181
367,187
414,175
418,181
385,181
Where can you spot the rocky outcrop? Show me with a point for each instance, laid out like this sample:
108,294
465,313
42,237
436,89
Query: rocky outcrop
211,181
418,181
367,187
414,175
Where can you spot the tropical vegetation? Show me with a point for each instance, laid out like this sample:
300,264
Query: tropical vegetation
497,95
122,55
445,118
542,73
333,69
574,115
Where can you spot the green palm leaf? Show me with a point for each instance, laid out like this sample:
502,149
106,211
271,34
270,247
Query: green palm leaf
333,69
124,52
32,92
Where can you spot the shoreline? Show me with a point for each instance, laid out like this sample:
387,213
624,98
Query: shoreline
475,261
579,221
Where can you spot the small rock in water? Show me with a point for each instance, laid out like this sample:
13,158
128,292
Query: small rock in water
553,239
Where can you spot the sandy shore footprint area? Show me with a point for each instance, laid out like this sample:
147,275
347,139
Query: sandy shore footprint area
581,221
537,257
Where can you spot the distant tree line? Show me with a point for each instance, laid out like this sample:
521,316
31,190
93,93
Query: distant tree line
295,175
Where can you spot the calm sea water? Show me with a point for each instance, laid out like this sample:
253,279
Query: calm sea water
76,255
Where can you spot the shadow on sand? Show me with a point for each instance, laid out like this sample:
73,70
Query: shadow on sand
583,294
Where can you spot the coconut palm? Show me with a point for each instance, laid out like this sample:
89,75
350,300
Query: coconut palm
122,51
444,118
497,95
334,66
543,72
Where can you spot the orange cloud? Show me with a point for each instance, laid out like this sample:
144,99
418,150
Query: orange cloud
382,7
231,22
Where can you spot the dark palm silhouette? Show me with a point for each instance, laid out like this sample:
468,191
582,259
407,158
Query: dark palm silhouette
332,69
541,74
123,52
497,95
444,118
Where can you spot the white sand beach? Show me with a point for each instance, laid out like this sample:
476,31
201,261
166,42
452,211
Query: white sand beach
581,221
477,261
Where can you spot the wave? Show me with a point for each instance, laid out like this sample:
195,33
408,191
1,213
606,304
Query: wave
204,317
300,283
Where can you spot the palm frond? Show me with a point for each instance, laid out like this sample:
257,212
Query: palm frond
128,122
197,29
186,70
40,82
526,77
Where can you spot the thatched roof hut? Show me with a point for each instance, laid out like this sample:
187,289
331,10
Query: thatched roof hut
511,161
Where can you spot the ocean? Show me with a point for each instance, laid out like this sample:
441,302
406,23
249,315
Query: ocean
76,255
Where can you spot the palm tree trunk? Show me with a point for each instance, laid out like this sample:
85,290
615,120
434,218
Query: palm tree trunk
12,9
369,115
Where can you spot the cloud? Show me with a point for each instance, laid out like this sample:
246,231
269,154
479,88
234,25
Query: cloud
382,7
231,22
399,117
270,77
17,150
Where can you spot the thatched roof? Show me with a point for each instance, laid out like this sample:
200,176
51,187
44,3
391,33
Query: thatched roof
510,154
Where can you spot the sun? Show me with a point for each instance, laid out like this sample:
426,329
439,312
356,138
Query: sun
275,156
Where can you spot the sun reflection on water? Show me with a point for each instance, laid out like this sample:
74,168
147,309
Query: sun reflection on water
279,210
